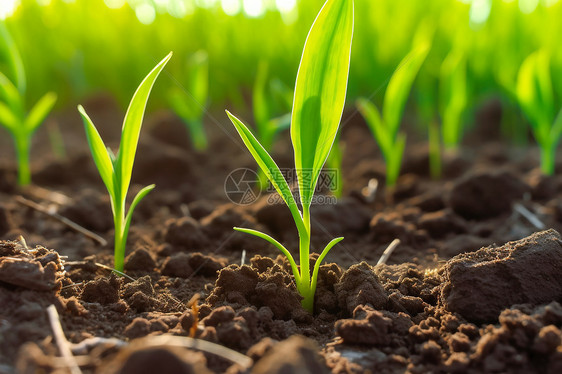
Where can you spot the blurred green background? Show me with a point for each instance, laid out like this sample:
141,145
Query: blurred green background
78,48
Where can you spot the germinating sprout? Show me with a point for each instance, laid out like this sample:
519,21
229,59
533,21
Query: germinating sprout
190,104
317,109
13,116
116,171
386,128
535,95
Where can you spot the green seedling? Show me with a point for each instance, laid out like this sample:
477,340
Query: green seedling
317,109
13,116
190,106
116,171
535,95
386,128
452,98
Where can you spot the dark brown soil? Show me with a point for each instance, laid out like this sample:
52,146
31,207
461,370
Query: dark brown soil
473,286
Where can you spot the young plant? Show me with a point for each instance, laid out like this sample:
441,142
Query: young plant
452,98
535,95
115,171
13,116
386,128
192,110
317,109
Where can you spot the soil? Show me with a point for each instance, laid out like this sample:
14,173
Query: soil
474,286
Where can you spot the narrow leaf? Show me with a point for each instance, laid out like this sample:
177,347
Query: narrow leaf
268,166
99,152
327,249
320,92
373,118
13,58
399,88
7,118
132,126
40,111
140,195
278,245
11,95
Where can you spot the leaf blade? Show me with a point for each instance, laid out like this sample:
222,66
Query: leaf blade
320,92
268,166
99,153
40,111
132,126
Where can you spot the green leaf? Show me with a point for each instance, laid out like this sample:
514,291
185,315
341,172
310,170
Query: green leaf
259,102
199,79
399,88
140,195
453,96
373,118
535,94
40,111
394,161
132,126
278,245
320,92
268,166
7,117
11,95
99,153
327,249
13,58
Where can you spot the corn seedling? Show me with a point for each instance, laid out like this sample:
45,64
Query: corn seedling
386,128
452,98
535,94
116,171
190,106
13,116
317,109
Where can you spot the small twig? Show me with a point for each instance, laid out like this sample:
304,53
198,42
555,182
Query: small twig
62,344
168,340
23,243
79,263
52,196
73,225
529,216
370,191
388,251
72,285
243,259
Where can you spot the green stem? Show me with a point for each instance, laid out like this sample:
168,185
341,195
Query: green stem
548,159
23,145
120,238
304,251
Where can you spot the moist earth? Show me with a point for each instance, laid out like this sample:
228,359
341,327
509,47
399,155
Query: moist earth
474,285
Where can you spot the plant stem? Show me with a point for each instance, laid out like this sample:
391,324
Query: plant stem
304,251
23,144
120,237
548,158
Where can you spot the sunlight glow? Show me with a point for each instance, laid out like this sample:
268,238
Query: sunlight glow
285,6
253,8
145,13
480,11
528,6
231,7
114,4
8,7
